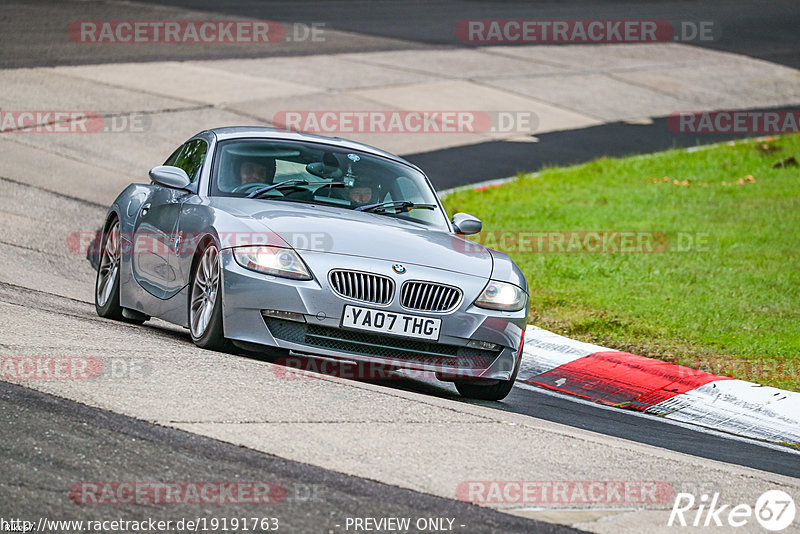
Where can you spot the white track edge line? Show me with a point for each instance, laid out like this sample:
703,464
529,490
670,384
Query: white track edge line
688,426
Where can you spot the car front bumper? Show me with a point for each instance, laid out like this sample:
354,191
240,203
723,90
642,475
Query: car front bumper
316,327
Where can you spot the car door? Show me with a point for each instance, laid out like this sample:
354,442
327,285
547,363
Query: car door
157,241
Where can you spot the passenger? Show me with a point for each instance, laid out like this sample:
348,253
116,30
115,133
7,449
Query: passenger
361,193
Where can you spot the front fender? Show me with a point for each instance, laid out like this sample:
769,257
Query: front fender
125,208
505,270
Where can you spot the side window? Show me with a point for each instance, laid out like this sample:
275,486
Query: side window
190,158
174,156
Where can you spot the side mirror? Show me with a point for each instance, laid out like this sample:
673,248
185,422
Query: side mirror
169,176
466,224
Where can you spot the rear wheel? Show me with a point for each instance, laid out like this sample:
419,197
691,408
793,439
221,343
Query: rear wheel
106,288
477,389
205,302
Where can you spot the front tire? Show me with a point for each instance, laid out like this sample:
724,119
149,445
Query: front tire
106,287
473,389
205,302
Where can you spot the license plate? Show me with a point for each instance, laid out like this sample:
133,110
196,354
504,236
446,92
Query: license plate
386,322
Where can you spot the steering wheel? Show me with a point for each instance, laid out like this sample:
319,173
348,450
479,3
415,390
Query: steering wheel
249,187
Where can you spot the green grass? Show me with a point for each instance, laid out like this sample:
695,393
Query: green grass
730,306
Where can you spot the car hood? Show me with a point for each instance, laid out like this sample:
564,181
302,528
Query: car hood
338,231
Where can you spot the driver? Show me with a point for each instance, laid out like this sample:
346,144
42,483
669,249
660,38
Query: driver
251,171
256,171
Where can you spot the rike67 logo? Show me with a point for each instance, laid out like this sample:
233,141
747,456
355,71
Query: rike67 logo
774,510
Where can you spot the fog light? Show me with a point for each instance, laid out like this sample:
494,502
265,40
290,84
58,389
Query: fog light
285,315
482,345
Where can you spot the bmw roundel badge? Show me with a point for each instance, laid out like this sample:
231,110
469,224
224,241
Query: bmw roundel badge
399,269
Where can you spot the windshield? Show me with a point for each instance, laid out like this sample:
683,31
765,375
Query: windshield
313,173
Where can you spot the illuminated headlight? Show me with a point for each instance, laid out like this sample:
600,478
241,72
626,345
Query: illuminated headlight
272,260
502,296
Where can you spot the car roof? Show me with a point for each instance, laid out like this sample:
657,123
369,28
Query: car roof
245,132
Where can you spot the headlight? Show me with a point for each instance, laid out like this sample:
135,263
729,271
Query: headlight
502,296
272,260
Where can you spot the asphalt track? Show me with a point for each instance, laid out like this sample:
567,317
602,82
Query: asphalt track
501,159
761,30
643,428
87,443
765,30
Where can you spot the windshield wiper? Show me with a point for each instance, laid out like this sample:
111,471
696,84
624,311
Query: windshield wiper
399,206
288,183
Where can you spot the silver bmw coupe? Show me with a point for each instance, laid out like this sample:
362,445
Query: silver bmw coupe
278,241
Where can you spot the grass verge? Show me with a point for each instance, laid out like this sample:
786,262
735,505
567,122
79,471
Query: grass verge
698,260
